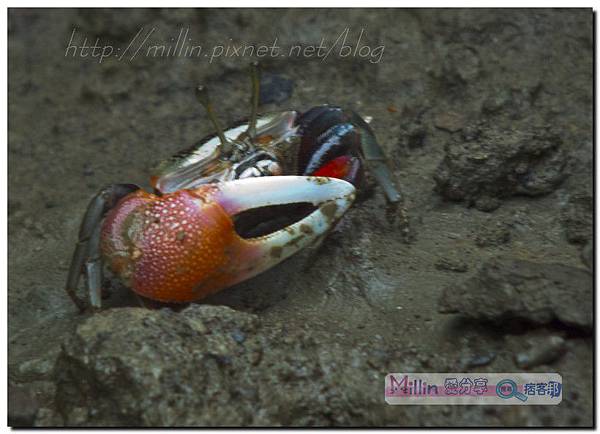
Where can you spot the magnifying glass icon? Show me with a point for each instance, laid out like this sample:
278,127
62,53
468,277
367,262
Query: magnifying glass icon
506,389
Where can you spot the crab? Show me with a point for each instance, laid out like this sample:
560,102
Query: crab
211,220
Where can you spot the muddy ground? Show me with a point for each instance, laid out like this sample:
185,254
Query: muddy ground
487,118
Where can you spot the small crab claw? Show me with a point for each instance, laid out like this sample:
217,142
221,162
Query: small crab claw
183,246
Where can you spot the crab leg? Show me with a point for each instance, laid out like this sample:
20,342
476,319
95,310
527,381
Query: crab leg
377,162
93,269
86,252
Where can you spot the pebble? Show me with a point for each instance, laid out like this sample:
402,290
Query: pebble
542,352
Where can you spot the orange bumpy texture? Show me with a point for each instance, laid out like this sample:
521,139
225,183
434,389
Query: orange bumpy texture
173,248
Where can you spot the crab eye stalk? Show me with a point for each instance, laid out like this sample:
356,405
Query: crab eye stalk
255,80
203,98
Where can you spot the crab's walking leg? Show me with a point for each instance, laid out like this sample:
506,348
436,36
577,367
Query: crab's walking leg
377,163
93,269
87,250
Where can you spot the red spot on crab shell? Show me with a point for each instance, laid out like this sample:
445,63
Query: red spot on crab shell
344,167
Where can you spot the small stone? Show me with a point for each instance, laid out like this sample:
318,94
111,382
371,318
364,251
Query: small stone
543,351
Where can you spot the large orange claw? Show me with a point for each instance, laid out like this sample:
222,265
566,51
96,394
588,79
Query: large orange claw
183,246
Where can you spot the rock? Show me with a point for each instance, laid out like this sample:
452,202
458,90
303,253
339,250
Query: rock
505,290
496,163
578,218
22,407
275,88
138,367
451,264
543,351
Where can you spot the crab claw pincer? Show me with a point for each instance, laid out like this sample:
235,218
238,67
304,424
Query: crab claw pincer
183,246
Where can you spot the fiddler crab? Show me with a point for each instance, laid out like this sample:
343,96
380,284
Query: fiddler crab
187,240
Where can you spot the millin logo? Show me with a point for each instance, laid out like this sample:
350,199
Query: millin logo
473,389
408,386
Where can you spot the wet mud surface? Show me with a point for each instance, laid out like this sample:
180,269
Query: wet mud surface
487,118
